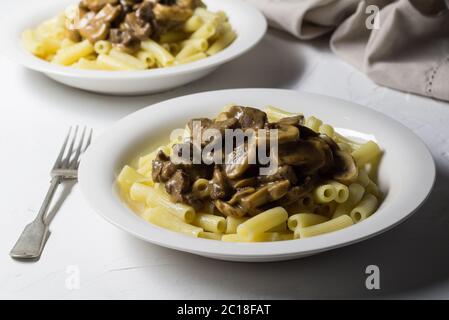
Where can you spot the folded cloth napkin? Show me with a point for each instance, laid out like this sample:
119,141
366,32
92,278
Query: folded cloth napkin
402,44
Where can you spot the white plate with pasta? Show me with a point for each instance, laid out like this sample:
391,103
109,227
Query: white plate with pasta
339,178
149,46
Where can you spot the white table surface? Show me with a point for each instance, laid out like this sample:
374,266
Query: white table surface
35,113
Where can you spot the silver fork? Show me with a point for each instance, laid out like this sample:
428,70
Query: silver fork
33,238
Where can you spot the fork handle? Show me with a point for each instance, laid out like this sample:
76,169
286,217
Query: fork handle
55,181
33,238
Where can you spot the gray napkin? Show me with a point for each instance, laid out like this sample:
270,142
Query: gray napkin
402,44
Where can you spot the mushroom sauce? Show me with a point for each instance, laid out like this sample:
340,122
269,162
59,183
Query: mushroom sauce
128,22
305,159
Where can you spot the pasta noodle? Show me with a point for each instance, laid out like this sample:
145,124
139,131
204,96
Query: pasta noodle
172,36
342,192
232,223
325,193
109,63
327,130
325,227
363,178
262,237
147,58
326,209
102,47
373,189
262,222
209,235
162,56
279,228
160,217
222,42
366,153
206,31
128,176
356,192
201,188
314,123
156,198
303,220
86,64
192,47
69,55
275,114
364,208
210,222
128,59
193,23
192,58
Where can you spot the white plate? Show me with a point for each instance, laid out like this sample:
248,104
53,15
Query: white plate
249,24
406,173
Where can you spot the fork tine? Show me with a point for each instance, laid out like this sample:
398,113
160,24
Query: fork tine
61,153
89,139
66,162
78,150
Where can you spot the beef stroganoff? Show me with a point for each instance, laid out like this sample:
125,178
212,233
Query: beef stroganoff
289,177
130,34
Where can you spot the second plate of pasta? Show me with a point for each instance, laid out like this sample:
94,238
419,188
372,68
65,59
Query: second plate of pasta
133,47
337,176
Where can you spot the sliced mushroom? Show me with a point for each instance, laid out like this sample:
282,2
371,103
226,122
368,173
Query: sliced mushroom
145,11
284,172
302,153
277,190
78,19
332,144
139,28
220,187
171,13
229,210
97,5
230,123
138,25
167,2
293,121
240,194
242,183
346,168
248,117
297,192
287,133
200,125
268,193
223,116
237,162
192,4
96,28
124,41
306,132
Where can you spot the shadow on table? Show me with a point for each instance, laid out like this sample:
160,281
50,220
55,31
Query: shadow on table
414,255
264,66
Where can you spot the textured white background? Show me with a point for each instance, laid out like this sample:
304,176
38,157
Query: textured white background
35,112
